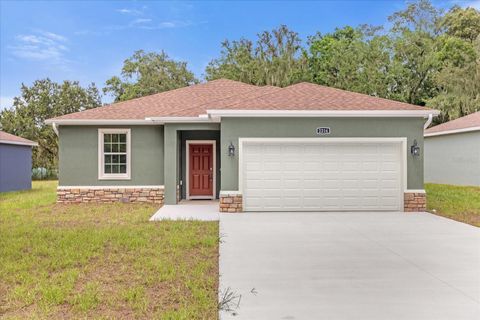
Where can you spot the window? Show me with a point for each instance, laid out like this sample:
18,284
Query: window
114,154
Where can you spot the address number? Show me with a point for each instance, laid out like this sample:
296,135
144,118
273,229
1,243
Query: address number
323,131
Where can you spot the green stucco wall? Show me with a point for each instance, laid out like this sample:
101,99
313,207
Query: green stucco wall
78,156
172,159
453,159
234,128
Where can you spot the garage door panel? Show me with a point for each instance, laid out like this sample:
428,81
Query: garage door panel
322,176
272,165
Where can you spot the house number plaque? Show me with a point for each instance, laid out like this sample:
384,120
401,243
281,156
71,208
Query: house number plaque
322,131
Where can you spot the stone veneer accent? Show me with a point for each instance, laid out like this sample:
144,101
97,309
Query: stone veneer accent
415,201
230,202
110,194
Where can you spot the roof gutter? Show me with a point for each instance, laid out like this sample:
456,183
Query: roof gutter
18,143
324,113
55,128
427,123
147,121
92,122
200,119
215,115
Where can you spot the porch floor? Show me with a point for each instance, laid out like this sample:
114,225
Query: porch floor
201,210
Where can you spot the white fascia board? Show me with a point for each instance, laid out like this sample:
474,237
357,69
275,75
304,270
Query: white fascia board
322,113
200,119
92,122
441,133
30,144
125,122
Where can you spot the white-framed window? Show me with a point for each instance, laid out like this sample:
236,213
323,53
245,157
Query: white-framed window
114,155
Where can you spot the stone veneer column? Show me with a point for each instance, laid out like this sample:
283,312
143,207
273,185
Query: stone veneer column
415,201
109,194
230,201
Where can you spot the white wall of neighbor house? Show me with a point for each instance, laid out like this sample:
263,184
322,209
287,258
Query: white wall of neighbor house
453,158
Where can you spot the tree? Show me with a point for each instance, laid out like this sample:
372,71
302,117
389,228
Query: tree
43,100
462,23
458,80
415,62
148,73
275,59
355,59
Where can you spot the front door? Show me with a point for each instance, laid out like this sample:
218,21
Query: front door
201,170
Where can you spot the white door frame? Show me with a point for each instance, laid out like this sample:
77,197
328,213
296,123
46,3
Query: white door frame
214,154
403,155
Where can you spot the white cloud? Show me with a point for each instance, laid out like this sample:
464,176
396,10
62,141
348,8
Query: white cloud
140,21
6,102
166,25
53,36
133,12
40,45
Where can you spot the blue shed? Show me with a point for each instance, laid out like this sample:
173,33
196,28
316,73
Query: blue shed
15,162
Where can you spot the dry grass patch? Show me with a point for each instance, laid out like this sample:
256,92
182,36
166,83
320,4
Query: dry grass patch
102,261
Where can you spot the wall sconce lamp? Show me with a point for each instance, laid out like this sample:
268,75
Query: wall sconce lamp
415,149
231,150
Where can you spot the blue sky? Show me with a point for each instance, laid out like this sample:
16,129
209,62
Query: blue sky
89,40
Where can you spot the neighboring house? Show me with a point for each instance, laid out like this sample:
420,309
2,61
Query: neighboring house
15,162
301,148
452,152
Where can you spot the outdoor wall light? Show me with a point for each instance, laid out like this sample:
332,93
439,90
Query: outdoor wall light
231,150
415,149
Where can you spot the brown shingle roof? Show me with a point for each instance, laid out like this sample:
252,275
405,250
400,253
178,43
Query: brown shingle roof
12,139
227,94
309,96
469,121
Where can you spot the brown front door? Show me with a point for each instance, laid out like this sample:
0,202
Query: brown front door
201,170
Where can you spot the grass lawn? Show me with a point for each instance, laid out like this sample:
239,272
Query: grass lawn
454,202
102,261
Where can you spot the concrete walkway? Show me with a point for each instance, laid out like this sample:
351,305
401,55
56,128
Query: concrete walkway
201,210
368,265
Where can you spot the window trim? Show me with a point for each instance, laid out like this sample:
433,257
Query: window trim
101,157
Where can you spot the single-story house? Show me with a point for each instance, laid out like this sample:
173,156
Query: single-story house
452,152
304,147
15,162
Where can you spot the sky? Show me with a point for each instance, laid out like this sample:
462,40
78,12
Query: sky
89,40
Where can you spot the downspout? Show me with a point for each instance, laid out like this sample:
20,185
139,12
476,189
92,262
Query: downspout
54,127
428,122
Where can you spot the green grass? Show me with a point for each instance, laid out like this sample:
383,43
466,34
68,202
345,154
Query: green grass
102,261
454,202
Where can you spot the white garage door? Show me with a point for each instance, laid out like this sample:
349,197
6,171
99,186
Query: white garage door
321,175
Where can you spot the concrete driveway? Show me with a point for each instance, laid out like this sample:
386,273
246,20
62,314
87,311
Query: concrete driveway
349,266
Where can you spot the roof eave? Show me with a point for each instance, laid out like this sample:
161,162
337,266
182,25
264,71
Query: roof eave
214,115
19,143
322,113
86,122
454,131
